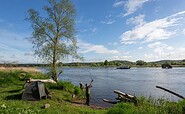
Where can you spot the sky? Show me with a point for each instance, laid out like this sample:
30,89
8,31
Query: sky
132,30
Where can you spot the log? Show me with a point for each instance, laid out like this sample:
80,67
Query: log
124,94
42,80
122,97
176,94
112,102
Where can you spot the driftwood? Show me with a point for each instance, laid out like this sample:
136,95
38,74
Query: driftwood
42,80
108,101
122,97
122,94
176,94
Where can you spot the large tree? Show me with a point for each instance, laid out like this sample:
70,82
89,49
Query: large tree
53,32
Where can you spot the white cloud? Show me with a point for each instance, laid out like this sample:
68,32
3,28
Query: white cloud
100,49
108,22
122,57
140,48
14,46
138,20
10,55
160,48
133,5
156,30
113,43
184,31
130,6
14,40
118,3
164,51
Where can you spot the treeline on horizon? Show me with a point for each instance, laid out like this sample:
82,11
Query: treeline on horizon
106,63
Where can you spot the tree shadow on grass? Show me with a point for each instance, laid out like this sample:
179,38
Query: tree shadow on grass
14,97
14,91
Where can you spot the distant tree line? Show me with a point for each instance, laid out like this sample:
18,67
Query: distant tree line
106,63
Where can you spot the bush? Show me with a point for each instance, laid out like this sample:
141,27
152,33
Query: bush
66,86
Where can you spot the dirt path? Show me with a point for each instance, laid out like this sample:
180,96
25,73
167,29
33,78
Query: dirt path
82,104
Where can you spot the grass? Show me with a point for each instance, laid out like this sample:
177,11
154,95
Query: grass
11,86
149,106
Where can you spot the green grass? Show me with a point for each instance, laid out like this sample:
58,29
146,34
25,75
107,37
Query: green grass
148,106
11,86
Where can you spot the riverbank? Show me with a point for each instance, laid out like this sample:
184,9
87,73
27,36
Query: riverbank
11,86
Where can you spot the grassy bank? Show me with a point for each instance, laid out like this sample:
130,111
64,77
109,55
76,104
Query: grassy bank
11,86
149,106
61,102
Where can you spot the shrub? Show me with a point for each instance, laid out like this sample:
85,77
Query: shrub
62,85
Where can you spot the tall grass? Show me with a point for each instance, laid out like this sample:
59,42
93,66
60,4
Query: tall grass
14,77
67,87
148,106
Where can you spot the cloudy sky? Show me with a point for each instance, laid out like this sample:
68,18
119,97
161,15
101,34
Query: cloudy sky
131,30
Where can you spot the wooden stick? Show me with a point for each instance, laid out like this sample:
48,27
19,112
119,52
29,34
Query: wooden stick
180,96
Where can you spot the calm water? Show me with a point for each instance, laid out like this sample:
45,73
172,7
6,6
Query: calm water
135,81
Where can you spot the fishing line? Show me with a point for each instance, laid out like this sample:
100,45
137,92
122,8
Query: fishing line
90,74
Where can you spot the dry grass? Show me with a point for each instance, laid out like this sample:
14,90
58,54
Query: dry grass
25,69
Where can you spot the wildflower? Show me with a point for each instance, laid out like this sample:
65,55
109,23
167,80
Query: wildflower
3,106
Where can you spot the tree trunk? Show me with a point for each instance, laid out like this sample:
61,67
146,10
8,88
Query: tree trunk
54,70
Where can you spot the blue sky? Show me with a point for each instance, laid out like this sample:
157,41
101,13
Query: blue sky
148,30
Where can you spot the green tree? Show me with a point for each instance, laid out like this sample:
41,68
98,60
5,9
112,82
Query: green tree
106,63
140,62
53,34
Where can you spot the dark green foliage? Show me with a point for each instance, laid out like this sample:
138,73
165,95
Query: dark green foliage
140,62
106,63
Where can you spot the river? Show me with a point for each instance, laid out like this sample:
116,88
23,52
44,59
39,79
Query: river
135,81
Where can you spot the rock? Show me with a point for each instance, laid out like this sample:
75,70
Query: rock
46,105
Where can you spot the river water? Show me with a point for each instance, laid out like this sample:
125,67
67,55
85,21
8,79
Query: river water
135,81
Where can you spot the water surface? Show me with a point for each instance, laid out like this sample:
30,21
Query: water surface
135,81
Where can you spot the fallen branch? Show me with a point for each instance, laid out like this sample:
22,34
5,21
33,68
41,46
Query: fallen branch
108,101
123,97
42,80
124,94
176,94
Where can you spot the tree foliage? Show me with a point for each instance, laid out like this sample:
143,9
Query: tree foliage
53,33
106,63
140,62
